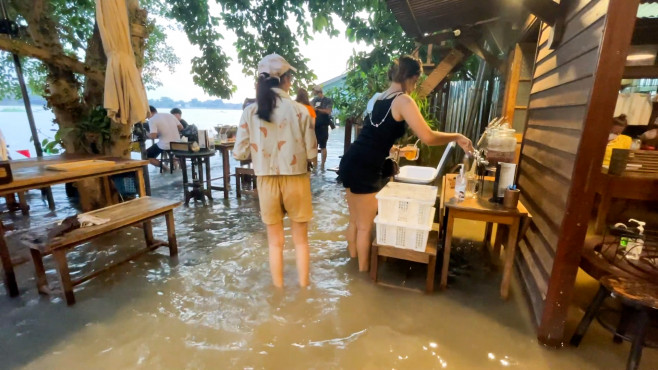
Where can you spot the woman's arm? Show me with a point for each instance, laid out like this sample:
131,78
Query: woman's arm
241,150
405,107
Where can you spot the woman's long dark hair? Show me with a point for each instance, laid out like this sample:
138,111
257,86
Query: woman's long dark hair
265,96
302,97
408,67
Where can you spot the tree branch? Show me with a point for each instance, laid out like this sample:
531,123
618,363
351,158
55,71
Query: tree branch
62,61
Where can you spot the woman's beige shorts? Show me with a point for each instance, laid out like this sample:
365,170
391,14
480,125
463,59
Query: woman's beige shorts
283,194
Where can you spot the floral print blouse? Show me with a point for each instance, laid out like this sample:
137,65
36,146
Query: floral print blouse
280,147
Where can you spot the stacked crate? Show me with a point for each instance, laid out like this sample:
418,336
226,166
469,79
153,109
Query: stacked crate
406,214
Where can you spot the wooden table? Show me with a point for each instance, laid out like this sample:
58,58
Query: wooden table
32,174
480,209
630,186
224,149
198,160
428,257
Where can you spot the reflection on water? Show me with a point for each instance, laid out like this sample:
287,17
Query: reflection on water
215,307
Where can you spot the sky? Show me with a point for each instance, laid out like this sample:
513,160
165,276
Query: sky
328,59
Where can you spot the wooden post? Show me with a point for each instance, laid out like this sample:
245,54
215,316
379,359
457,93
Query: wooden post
348,134
619,24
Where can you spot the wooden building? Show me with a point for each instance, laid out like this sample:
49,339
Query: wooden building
564,65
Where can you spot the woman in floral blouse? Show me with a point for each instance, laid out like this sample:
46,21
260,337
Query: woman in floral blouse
277,134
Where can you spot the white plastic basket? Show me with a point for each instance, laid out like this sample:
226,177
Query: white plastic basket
404,236
406,204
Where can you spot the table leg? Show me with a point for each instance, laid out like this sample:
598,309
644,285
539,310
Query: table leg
40,272
374,262
186,195
206,160
49,197
446,251
171,234
431,268
227,172
502,233
510,250
22,200
9,277
488,230
602,213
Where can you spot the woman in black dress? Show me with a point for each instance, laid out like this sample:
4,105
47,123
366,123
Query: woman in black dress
361,167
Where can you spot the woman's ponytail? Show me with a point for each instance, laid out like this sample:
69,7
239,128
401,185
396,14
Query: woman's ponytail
265,96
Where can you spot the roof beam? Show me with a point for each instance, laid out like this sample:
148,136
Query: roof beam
440,72
546,10
640,72
478,50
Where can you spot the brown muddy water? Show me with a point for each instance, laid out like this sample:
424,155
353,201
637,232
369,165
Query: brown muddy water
215,308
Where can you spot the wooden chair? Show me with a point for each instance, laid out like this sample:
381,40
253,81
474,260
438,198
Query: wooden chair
428,257
245,174
640,300
135,212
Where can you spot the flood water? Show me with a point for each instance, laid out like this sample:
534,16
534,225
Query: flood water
215,307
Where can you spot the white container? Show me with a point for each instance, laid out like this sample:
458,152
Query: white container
424,175
404,236
407,204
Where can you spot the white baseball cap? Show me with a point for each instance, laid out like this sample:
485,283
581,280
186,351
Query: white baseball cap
274,65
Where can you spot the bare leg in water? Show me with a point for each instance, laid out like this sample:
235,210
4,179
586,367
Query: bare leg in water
275,242
364,206
351,227
300,239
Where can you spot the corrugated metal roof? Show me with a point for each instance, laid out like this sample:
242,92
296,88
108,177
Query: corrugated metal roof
419,17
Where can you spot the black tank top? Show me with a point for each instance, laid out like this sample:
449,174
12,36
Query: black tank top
380,129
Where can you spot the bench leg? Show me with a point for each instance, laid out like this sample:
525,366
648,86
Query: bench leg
40,272
374,262
64,275
148,233
431,270
171,234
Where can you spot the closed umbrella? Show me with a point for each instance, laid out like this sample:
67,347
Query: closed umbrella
125,98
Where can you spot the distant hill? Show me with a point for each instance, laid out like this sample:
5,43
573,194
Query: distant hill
35,100
38,101
194,103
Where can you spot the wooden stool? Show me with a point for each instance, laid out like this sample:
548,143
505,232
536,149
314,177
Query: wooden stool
244,174
428,257
639,298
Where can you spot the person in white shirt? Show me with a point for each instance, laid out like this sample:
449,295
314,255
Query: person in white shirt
277,134
166,128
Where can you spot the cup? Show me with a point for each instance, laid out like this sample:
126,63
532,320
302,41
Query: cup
223,137
511,200
410,152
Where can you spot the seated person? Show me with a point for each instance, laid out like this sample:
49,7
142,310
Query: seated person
178,114
616,140
164,127
650,138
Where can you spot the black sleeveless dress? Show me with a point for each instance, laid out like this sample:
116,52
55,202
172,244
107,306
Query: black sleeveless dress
361,167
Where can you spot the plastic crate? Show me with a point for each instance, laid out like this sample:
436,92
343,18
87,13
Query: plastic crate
404,236
407,204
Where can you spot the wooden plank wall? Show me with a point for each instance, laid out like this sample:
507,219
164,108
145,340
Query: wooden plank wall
561,88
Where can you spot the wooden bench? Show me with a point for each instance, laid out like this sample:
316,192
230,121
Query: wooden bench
135,212
428,257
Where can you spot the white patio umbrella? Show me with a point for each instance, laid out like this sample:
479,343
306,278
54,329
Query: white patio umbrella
125,97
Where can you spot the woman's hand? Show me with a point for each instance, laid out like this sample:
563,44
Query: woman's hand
465,143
